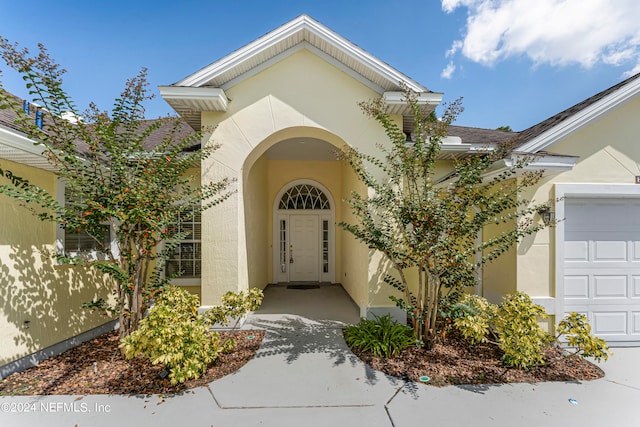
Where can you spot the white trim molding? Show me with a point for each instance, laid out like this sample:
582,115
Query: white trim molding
582,117
302,28
550,164
194,98
17,147
396,101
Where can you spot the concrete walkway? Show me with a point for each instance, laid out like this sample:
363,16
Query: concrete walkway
304,375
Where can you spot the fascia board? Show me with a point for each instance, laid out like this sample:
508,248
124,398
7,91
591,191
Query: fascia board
546,163
556,163
582,118
30,153
207,73
363,57
19,141
468,148
215,97
424,98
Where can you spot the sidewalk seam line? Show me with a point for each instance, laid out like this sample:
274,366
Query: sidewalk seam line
624,385
297,407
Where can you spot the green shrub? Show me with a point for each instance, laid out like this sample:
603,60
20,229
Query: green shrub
176,336
382,336
577,331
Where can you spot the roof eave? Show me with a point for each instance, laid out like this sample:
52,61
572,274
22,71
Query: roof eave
17,148
550,164
396,101
190,102
582,118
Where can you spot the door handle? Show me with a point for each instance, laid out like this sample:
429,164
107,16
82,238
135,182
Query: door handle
291,254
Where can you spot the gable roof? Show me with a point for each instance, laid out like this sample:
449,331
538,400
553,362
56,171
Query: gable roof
546,133
204,89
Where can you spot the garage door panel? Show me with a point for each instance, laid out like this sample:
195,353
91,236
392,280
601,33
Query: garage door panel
609,322
576,251
609,287
635,251
635,287
576,287
635,323
606,251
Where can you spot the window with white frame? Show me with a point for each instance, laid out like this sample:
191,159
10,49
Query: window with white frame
186,260
79,243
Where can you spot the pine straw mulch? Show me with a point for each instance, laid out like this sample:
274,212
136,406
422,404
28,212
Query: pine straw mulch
73,372
454,361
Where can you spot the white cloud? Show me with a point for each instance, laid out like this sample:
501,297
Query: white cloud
635,70
455,47
555,32
448,70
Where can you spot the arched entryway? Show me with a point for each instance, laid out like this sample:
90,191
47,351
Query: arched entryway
304,233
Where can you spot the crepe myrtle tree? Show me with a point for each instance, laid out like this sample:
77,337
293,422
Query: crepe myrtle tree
429,225
115,180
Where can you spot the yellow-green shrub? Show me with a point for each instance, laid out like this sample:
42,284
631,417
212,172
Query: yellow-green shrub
513,326
474,317
519,334
577,331
176,336
234,306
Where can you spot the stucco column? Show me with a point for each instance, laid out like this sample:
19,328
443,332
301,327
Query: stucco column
221,230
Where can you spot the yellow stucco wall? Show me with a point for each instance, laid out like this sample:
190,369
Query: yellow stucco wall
499,277
300,96
258,224
355,266
33,287
608,152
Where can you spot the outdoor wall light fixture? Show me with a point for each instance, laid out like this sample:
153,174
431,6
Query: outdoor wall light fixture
548,216
408,139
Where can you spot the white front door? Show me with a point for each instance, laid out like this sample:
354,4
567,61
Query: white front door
304,248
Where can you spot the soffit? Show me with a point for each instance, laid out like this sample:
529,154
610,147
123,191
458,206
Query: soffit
17,148
302,149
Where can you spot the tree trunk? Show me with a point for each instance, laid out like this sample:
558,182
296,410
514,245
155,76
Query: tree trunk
430,312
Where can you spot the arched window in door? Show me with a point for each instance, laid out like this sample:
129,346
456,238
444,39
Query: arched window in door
304,197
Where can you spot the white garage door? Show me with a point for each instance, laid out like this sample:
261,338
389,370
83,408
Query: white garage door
602,265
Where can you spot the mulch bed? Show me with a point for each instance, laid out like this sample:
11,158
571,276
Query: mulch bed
96,367
453,361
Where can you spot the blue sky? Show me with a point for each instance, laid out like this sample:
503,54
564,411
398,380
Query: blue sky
515,62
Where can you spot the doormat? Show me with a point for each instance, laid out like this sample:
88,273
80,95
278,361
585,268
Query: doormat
303,287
